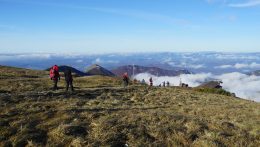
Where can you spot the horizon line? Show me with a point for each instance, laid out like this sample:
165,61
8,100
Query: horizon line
130,52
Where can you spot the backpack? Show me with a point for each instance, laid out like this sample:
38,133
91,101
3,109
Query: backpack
53,71
125,76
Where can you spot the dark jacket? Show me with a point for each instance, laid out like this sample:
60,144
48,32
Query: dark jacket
56,75
68,75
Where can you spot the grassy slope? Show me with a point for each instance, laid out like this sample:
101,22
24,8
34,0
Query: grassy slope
102,113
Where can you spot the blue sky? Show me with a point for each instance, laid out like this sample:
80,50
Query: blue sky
101,26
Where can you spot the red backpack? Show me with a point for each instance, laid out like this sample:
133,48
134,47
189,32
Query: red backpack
52,71
125,76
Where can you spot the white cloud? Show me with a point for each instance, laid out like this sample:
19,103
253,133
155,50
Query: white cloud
185,65
230,3
190,79
12,57
37,56
101,61
98,60
199,66
238,66
248,3
79,61
234,56
252,65
224,66
242,85
27,56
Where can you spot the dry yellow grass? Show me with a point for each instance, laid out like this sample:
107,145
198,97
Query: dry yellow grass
103,113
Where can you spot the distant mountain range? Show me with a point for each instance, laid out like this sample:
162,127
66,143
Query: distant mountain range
135,69
96,69
256,73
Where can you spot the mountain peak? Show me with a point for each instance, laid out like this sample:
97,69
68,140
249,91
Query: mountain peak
96,69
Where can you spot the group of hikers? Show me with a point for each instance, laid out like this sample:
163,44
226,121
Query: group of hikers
126,81
165,84
55,77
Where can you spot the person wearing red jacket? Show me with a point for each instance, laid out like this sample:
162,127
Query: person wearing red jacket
125,79
55,76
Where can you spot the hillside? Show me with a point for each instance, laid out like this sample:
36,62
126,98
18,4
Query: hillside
7,72
102,113
152,70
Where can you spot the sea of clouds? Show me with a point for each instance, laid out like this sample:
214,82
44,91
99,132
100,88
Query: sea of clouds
244,86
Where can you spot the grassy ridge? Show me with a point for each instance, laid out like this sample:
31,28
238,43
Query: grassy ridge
102,113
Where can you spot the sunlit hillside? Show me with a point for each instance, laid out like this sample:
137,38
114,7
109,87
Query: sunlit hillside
103,113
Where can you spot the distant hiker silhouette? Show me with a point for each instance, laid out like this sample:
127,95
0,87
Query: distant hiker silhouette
68,79
125,79
151,81
143,82
168,84
55,76
164,84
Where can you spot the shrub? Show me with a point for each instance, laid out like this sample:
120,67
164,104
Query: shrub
214,90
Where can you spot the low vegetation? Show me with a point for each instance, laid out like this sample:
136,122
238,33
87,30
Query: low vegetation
213,90
103,113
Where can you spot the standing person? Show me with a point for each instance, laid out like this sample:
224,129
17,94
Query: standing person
125,79
143,82
68,79
151,81
55,76
164,84
168,84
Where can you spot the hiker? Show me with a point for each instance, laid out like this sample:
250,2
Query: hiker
160,85
168,84
151,81
184,85
125,79
68,79
55,76
164,84
143,82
